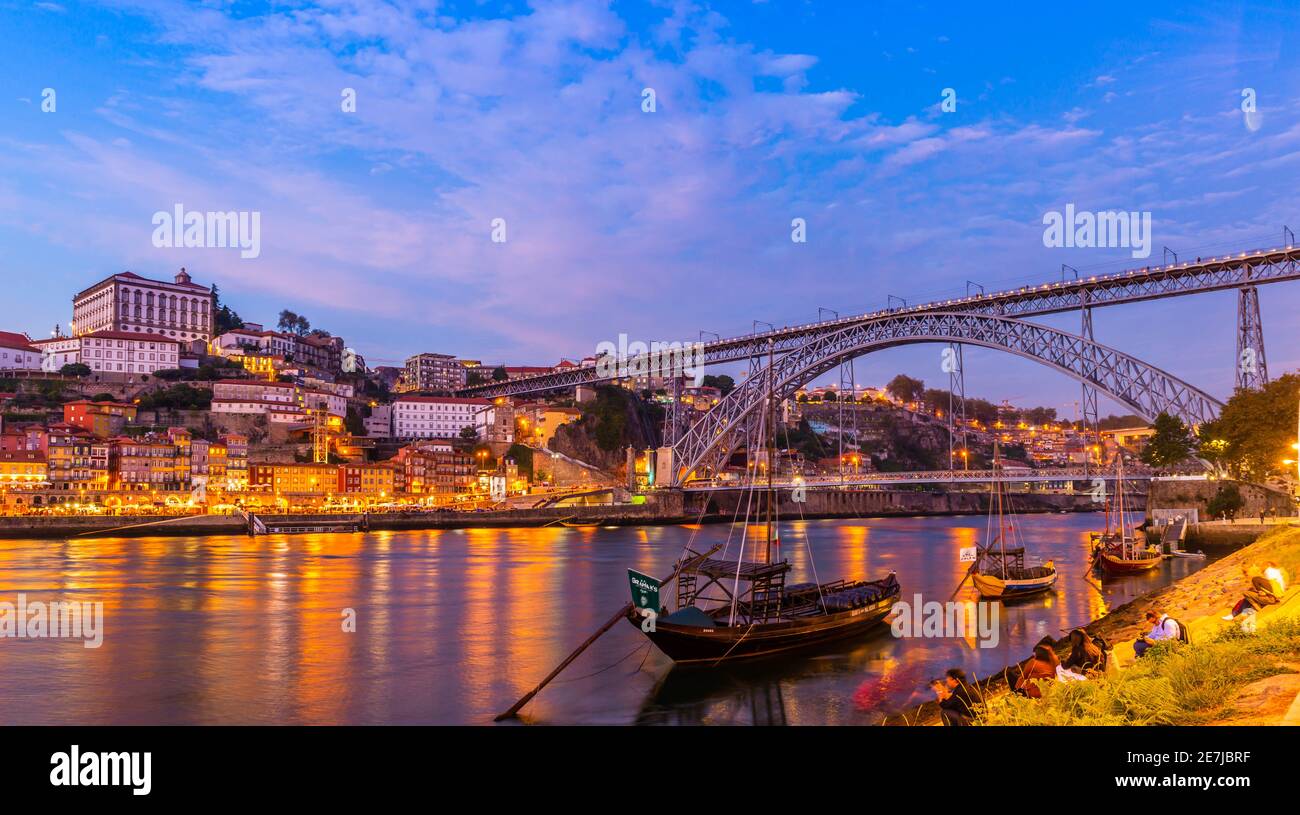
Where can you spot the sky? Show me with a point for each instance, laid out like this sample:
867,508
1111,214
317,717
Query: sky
377,223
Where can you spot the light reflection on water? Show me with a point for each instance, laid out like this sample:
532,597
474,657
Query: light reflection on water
453,626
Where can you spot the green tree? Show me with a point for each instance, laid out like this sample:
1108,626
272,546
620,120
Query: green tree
1226,503
354,423
292,323
523,456
499,374
1171,443
75,369
1255,430
722,382
905,389
225,318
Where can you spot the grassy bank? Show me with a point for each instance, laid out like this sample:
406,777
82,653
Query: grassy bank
1223,676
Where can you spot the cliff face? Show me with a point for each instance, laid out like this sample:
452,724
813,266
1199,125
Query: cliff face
616,419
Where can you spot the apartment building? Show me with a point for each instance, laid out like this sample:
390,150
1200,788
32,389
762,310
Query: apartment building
440,417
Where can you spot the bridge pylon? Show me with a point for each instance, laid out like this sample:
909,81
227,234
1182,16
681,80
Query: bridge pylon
1091,429
1252,369
957,407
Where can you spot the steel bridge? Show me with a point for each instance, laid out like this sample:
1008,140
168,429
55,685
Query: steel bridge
1146,390
800,353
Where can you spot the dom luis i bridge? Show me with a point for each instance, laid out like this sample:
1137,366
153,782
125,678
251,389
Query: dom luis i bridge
783,360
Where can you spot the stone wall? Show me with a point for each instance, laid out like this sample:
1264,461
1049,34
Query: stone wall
1197,495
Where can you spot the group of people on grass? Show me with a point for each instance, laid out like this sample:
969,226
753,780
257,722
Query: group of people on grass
1090,655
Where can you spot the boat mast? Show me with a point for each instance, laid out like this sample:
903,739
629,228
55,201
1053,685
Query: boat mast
1125,547
998,487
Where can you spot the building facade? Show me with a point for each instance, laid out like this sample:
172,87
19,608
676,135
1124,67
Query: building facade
440,417
433,372
181,310
125,353
17,353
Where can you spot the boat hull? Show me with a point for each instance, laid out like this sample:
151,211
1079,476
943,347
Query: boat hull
995,588
1112,564
693,645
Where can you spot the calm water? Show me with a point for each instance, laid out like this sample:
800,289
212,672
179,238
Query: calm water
453,626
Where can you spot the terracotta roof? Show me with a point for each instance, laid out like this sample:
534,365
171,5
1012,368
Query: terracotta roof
11,339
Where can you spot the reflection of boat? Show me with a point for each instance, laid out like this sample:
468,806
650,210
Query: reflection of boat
1119,552
730,610
999,572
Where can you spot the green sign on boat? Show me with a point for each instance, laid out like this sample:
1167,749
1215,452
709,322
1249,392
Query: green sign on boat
645,590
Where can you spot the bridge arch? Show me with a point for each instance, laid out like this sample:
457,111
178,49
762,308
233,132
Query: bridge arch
1143,388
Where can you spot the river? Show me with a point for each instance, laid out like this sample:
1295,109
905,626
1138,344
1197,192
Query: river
452,626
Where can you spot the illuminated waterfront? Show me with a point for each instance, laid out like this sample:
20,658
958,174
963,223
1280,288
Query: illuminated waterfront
453,626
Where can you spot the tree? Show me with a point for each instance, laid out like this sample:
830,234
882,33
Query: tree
1039,415
292,323
1171,444
1254,432
722,382
1226,503
499,374
523,457
354,423
75,369
224,317
905,389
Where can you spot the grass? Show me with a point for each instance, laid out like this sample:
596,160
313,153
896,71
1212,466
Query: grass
1174,684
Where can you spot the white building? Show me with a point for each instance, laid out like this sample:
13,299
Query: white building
182,310
17,353
379,423
115,353
440,417
58,351
276,400
331,403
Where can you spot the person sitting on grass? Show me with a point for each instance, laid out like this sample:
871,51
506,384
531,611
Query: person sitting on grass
1267,585
1084,655
1163,627
1042,665
958,698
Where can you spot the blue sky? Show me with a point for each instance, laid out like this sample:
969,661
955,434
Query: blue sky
376,224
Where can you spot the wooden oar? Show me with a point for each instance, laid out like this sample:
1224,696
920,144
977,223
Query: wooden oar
969,572
622,612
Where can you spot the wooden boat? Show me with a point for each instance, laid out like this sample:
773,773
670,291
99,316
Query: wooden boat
999,572
767,617
1118,551
1130,562
730,610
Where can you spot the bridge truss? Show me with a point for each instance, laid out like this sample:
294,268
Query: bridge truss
1143,388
